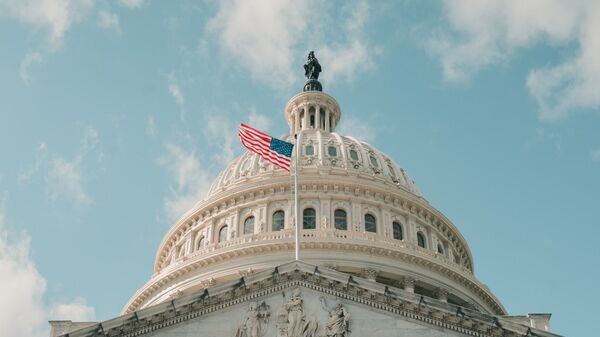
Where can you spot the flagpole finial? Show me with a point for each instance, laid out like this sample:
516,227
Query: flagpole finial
312,69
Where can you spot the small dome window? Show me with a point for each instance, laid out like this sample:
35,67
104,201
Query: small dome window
373,160
201,243
332,151
278,221
249,225
353,154
421,240
397,230
370,223
309,217
456,258
309,150
340,219
440,249
223,234
392,171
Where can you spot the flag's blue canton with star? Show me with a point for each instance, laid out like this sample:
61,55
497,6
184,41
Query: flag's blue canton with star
281,147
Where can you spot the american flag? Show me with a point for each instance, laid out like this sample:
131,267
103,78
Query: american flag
273,150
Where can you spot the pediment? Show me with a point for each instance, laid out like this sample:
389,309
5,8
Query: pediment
302,300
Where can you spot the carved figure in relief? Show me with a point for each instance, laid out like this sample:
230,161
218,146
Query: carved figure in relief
338,323
298,325
325,222
255,322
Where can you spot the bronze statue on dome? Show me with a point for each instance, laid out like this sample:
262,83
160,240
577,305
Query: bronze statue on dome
312,68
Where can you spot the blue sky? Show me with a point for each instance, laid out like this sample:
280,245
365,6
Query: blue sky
117,115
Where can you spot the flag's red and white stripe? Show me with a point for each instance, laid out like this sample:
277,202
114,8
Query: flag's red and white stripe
260,143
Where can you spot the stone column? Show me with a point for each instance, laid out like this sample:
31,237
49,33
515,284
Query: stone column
317,117
327,127
296,121
305,123
409,284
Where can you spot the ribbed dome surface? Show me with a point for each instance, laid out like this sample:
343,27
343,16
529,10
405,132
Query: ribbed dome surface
323,151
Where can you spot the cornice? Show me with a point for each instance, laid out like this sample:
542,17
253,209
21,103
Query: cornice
385,299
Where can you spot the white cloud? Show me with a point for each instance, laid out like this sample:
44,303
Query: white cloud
265,37
22,288
150,126
108,20
76,311
177,94
491,32
53,16
191,180
29,60
131,4
222,132
595,155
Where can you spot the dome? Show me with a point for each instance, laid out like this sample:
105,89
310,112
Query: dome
360,212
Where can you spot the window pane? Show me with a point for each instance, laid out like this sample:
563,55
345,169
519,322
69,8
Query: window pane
223,234
440,249
397,229
201,244
332,151
373,160
310,150
278,221
249,225
370,223
353,154
339,218
392,172
309,219
421,240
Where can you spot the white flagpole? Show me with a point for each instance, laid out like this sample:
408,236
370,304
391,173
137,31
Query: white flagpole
296,211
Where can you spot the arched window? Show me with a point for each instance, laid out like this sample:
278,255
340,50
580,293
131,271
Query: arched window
370,223
340,220
223,234
421,240
309,150
278,220
397,230
249,225
373,160
309,217
201,244
440,248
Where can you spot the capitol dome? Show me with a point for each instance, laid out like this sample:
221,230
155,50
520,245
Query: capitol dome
361,213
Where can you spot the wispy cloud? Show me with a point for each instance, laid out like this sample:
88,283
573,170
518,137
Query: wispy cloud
65,178
357,128
22,289
485,33
190,180
108,20
595,155
55,17
177,94
131,4
265,37
29,60
150,126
